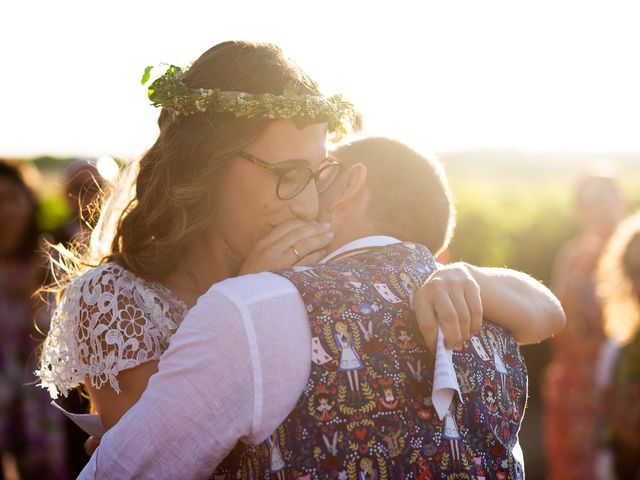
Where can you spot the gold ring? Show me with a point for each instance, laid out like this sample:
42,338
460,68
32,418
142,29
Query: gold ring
296,252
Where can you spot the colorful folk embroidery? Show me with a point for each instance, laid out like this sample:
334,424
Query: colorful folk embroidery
366,411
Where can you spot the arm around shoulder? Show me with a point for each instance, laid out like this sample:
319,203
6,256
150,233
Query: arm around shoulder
519,303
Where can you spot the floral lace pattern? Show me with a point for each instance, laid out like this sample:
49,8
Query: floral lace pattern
108,320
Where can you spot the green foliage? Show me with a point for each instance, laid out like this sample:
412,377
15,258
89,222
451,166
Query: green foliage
47,164
170,91
146,75
515,225
53,212
519,214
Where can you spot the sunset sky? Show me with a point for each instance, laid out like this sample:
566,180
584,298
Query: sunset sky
442,76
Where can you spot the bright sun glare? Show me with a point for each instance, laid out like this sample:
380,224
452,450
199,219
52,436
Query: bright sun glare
438,75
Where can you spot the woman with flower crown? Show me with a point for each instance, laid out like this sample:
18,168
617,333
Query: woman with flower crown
230,187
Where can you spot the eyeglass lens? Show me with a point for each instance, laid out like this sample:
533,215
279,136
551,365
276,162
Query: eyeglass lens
294,181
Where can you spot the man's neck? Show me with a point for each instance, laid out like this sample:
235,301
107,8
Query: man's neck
359,244
347,234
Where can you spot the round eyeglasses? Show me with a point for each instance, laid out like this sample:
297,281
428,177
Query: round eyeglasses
292,180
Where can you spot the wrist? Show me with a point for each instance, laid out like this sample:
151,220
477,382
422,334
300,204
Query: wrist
475,272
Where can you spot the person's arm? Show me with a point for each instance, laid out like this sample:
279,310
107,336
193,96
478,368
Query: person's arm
519,303
111,405
457,296
194,409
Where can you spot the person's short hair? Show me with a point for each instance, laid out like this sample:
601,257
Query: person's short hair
411,198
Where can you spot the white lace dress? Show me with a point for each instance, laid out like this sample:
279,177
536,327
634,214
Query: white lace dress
108,320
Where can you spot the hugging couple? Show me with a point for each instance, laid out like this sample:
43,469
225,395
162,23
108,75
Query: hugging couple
268,309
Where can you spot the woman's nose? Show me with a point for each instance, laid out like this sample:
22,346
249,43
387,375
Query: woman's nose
305,204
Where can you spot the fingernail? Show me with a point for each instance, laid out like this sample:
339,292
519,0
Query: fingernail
330,234
326,226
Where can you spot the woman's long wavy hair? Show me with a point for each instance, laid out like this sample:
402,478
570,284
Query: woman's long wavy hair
620,303
161,202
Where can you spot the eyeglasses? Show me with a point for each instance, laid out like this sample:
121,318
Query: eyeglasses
293,180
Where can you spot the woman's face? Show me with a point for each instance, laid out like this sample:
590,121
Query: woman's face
247,206
15,215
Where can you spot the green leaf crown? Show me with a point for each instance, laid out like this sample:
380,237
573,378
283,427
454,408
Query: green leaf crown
169,91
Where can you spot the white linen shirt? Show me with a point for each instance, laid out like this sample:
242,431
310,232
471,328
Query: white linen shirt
234,370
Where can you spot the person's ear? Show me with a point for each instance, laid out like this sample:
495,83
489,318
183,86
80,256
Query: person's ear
352,184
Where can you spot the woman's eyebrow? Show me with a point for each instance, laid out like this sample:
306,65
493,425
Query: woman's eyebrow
301,162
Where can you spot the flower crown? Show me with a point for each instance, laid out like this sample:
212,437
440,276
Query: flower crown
170,91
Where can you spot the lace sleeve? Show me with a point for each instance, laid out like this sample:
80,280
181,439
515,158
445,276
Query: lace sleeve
108,320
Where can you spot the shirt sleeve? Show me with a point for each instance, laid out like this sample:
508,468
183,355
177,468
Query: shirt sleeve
194,409
282,335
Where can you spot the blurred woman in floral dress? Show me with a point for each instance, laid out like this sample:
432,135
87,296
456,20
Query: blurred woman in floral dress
572,409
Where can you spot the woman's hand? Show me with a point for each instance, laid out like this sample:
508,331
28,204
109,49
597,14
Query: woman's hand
457,296
294,242
449,299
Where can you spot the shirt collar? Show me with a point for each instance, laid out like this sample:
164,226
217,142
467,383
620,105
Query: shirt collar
372,241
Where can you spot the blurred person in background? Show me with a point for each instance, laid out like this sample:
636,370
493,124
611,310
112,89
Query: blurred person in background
571,407
31,438
82,184
619,290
